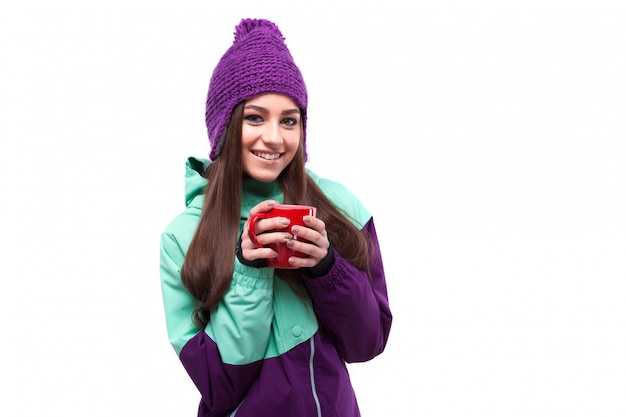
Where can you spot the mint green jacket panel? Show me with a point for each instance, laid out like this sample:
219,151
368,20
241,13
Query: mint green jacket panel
240,324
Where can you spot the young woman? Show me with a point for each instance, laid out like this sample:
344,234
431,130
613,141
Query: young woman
255,340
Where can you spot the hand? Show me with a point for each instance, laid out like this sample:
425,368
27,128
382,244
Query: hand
317,245
265,233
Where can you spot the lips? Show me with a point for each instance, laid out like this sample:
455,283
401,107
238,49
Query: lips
270,156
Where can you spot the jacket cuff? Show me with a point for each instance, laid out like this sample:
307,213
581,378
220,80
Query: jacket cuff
256,263
323,267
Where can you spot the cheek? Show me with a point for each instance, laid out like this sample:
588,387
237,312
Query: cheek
292,141
247,136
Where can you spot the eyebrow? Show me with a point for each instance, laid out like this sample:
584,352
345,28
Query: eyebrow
264,110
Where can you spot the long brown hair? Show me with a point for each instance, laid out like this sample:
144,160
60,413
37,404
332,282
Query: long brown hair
209,263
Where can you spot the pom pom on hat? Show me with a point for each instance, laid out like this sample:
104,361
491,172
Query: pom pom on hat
257,62
248,25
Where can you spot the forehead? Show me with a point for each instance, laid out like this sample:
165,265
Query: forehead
268,100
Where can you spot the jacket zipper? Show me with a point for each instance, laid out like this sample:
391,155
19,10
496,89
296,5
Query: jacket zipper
317,401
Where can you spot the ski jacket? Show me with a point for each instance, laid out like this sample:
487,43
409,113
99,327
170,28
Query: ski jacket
268,351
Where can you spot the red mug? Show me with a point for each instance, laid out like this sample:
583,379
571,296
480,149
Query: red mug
295,214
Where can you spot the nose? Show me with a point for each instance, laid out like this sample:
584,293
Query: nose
271,135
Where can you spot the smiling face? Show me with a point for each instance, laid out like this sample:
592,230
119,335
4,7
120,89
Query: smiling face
270,135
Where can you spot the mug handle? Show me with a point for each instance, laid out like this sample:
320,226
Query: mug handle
251,229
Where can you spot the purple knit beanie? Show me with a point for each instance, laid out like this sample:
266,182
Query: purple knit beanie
257,62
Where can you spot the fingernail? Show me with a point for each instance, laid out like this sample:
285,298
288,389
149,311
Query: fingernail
295,229
291,244
287,236
307,219
284,222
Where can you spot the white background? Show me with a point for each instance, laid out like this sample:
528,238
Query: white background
489,141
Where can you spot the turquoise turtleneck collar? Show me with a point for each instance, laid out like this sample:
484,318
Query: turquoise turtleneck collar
255,191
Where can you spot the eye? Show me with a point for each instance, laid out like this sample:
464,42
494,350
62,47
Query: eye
290,122
253,118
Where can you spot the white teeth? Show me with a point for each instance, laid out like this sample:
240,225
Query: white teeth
269,156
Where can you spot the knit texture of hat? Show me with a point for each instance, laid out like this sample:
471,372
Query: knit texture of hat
257,62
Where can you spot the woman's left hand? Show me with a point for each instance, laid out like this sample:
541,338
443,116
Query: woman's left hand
317,246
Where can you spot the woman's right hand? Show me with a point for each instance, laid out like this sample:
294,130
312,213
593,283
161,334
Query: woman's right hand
265,234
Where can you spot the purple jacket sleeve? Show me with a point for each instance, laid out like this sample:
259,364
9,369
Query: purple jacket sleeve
352,308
